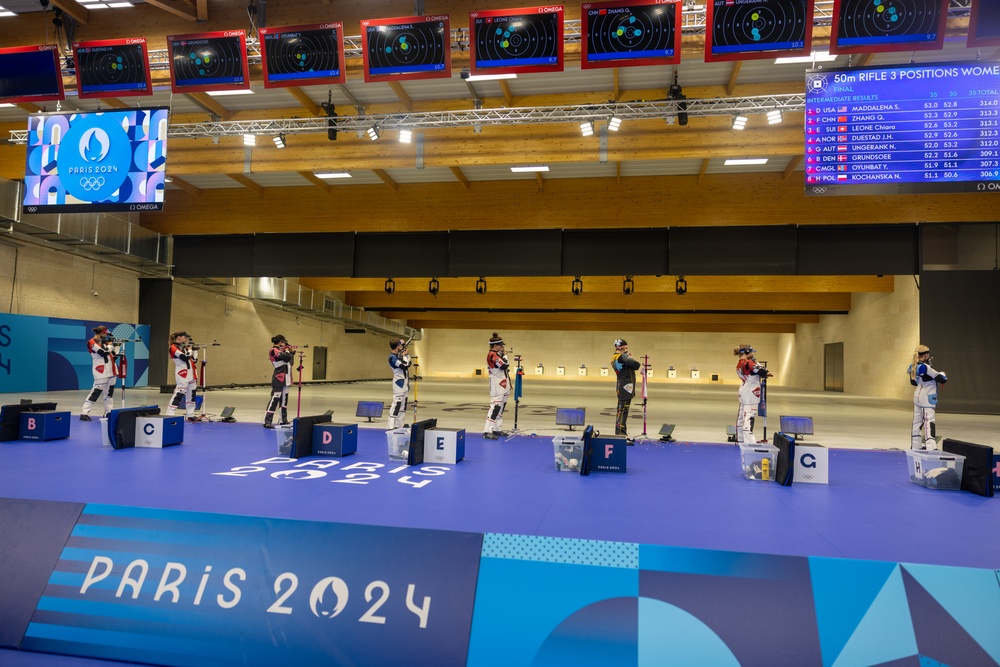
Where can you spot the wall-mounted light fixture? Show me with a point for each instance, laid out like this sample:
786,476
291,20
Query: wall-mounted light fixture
682,286
434,287
390,285
577,287
628,285
481,285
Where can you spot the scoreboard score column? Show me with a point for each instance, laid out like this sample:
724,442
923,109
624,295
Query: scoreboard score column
903,130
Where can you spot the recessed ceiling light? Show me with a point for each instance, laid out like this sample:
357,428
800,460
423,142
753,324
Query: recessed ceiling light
489,77
223,93
734,162
334,174
816,56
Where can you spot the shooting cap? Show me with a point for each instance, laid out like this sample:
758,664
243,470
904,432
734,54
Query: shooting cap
744,348
495,339
619,342
99,329
278,339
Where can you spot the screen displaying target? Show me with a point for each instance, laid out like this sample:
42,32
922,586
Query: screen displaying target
984,23
303,55
758,29
112,67
30,74
398,49
208,61
887,25
638,32
516,40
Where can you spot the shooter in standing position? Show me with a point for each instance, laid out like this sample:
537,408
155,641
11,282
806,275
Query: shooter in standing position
399,362
750,374
926,381
625,368
281,356
497,370
103,351
185,358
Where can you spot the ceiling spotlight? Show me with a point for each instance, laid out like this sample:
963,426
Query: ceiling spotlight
249,140
681,287
577,287
739,122
279,140
587,128
331,117
434,287
628,286
614,123
405,136
481,285
374,133
390,285
774,116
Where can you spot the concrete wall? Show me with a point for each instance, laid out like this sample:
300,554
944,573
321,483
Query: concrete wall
458,353
879,337
38,281
47,283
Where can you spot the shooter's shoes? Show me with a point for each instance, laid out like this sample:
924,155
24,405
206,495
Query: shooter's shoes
194,419
492,435
503,434
629,441
284,423
268,425
86,418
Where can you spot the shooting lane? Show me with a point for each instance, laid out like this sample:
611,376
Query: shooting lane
220,550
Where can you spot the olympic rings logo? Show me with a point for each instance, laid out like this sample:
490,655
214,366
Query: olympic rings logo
819,191
92,183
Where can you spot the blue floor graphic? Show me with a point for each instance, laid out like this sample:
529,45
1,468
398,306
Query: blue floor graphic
680,494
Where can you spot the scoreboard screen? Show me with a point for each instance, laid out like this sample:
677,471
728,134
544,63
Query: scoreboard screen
909,129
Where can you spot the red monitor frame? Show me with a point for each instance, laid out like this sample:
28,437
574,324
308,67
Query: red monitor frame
628,62
241,35
131,92
61,95
937,44
305,81
517,69
755,55
438,74
978,9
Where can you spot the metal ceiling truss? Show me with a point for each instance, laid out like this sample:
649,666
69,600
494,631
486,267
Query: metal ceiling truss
693,20
640,110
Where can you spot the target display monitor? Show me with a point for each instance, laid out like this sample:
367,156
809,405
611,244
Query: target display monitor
112,68
303,55
514,41
369,409
30,74
905,129
208,61
630,32
984,23
402,49
758,30
796,425
87,162
867,26
571,417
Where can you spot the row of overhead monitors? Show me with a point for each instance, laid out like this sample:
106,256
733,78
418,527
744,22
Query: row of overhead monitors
614,34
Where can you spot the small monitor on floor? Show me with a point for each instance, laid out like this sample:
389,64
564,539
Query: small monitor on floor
797,426
667,432
227,414
571,417
730,433
369,409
